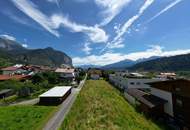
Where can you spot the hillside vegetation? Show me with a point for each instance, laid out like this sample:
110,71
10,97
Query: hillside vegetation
99,106
174,63
24,117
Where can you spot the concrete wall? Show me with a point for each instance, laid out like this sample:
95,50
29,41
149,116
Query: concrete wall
130,98
168,107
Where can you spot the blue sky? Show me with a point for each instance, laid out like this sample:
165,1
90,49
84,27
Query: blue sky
99,31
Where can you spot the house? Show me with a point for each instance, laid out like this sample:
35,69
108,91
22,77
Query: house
55,95
123,82
147,103
5,93
95,74
12,70
167,75
66,73
15,77
177,94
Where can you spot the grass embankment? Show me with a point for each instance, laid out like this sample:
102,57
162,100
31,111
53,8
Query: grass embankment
24,117
99,106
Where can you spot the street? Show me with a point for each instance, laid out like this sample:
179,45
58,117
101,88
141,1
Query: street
55,122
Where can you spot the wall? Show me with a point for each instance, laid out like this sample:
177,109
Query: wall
168,107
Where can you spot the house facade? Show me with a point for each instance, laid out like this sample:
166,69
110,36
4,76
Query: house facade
123,82
177,93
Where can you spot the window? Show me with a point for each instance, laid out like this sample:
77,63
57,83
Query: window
177,89
138,83
132,83
179,102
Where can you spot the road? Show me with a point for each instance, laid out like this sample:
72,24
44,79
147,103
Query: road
28,102
55,122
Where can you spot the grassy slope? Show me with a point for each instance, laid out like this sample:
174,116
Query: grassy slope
24,117
100,107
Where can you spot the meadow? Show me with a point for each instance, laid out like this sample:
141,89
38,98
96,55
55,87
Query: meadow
24,117
99,106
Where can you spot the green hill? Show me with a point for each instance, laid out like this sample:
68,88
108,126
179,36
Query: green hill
174,63
99,106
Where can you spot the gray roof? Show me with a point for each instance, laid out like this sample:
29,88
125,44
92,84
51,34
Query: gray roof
145,98
5,91
56,91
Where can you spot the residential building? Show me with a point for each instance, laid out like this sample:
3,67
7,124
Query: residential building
68,73
12,70
123,82
177,94
95,76
147,103
55,95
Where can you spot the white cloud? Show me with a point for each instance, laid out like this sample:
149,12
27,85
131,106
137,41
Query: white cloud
86,48
109,58
25,45
95,33
111,9
9,37
165,10
56,21
129,23
31,10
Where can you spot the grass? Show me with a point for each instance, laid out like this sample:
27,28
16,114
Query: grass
99,106
24,117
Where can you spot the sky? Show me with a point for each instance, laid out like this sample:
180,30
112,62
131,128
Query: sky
99,32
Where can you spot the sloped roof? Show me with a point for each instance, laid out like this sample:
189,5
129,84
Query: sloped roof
11,68
147,99
17,77
63,70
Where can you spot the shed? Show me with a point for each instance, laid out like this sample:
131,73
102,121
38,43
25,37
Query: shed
55,95
5,93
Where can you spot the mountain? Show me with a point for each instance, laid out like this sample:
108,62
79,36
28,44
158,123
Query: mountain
15,53
127,63
173,63
89,66
120,65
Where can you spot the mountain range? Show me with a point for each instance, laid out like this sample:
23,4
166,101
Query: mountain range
13,52
173,63
127,63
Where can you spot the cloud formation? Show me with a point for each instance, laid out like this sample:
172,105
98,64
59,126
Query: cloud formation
9,37
117,41
111,8
86,48
109,58
52,23
165,10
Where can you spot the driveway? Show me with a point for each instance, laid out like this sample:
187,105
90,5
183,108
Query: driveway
55,122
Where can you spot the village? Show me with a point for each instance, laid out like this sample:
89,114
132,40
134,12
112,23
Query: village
164,96
23,82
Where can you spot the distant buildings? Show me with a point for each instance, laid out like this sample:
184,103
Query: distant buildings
55,95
